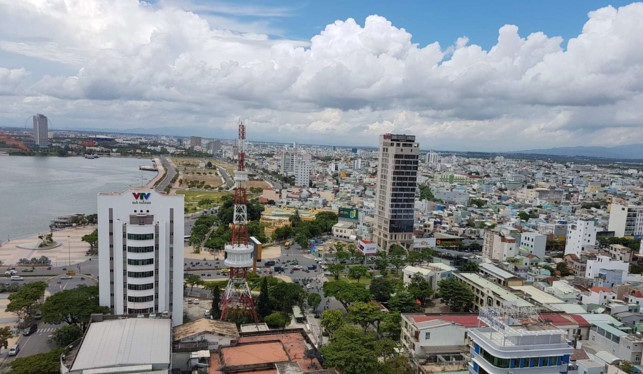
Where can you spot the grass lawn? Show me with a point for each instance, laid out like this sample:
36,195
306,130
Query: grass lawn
192,199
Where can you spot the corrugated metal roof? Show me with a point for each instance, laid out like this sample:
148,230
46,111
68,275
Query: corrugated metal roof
125,342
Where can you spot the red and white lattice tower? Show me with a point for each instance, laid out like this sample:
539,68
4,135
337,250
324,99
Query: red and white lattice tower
239,253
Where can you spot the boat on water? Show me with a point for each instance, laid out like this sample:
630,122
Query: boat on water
91,157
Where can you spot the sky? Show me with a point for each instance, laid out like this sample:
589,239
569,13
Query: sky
479,75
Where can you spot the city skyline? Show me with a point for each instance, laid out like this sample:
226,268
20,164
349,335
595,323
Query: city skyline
334,74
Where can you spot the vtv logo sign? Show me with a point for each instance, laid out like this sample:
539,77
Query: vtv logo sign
141,196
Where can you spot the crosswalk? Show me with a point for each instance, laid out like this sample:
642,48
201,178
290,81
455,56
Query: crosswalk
46,330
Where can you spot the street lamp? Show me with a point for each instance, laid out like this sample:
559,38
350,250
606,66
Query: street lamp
69,250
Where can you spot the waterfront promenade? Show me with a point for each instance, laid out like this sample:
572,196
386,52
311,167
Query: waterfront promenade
70,251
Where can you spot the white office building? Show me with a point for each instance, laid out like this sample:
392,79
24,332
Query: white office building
140,252
41,130
516,342
626,220
580,236
288,162
395,191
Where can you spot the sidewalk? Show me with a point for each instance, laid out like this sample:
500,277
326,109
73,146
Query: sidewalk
71,249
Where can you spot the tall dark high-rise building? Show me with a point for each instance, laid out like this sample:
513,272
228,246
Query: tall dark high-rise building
395,194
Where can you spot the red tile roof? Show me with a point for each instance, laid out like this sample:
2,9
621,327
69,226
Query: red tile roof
600,289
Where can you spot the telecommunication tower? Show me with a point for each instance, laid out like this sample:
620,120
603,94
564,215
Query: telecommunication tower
239,253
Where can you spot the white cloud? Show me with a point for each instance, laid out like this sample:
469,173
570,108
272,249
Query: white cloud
176,64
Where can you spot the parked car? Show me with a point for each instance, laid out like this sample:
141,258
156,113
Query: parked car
207,313
17,278
14,350
30,330
312,267
37,315
278,269
296,267
27,270
269,263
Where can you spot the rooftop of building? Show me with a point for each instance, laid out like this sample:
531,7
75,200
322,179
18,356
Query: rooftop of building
260,352
537,295
466,320
498,290
125,342
205,325
496,271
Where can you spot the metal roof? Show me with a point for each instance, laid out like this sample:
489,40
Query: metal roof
125,342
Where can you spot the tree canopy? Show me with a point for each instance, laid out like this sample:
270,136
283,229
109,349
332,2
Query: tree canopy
346,292
41,363
73,306
26,300
456,295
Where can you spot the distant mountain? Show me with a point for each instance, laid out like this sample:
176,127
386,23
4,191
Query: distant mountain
630,151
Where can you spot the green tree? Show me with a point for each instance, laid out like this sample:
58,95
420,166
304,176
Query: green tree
66,335
277,320
336,270
41,363
215,309
192,280
295,219
346,292
92,240
456,295
403,302
313,300
283,296
357,272
419,288
26,300
381,289
332,320
73,306
364,314
415,257
425,193
563,269
263,302
390,326
524,216
469,266
396,365
351,351
5,335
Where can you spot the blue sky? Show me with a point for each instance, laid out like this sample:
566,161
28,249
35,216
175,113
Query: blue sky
430,21
531,74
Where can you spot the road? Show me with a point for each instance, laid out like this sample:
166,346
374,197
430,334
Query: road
170,173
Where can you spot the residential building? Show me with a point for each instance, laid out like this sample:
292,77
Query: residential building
288,161
594,266
626,220
41,130
515,341
498,246
437,338
580,236
344,230
395,191
302,169
195,141
533,243
487,293
432,273
140,252
598,295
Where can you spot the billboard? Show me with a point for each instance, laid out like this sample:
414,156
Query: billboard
347,213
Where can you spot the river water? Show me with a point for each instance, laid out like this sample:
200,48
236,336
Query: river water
35,190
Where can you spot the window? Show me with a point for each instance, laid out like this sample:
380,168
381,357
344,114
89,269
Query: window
140,274
140,299
147,261
140,287
427,335
140,236
133,249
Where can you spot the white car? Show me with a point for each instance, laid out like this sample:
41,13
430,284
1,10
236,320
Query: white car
17,278
10,272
